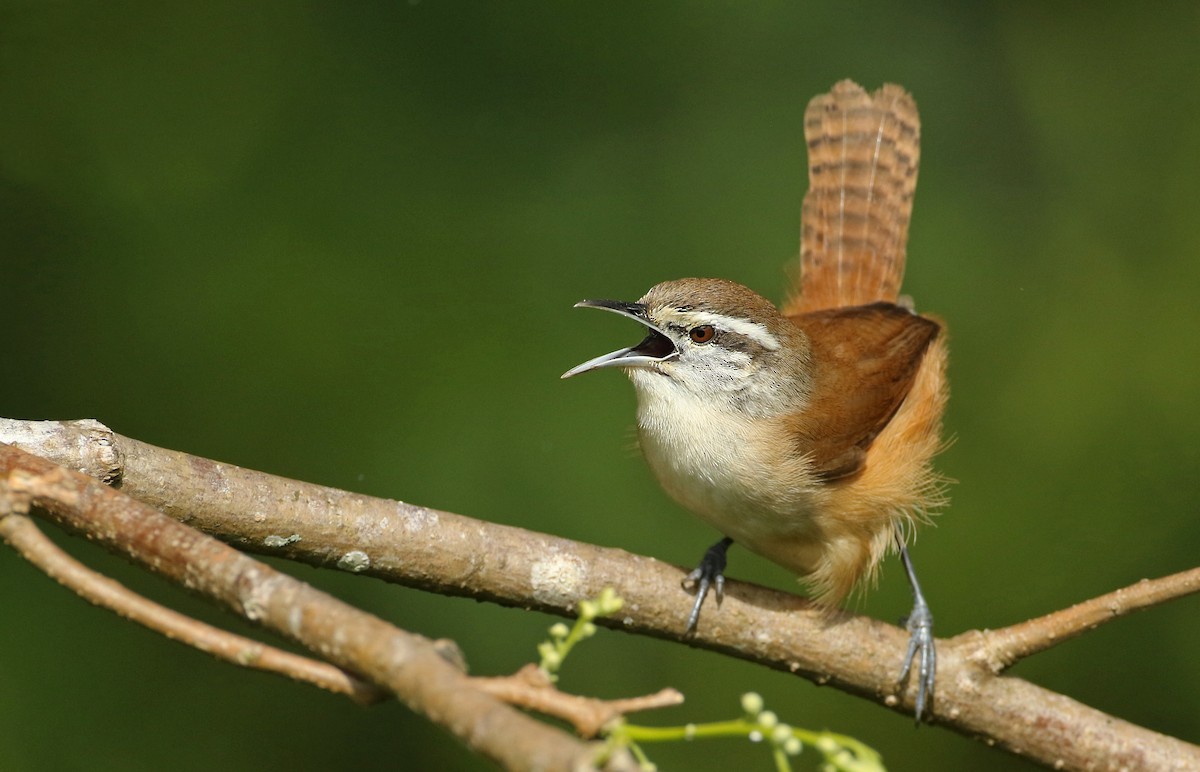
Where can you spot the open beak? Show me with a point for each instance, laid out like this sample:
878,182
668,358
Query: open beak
655,348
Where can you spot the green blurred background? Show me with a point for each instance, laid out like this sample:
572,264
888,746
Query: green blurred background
340,242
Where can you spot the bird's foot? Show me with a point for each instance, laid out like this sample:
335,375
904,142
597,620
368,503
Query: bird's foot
923,651
709,574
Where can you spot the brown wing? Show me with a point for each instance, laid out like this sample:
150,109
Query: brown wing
863,152
865,359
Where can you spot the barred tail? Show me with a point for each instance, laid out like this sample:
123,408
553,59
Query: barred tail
863,153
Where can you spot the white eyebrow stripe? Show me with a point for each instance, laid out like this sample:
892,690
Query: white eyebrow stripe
752,330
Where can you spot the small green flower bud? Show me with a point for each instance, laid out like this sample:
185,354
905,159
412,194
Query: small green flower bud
609,601
752,703
827,745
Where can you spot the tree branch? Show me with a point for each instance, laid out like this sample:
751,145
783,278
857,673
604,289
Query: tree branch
407,665
23,535
1010,644
456,555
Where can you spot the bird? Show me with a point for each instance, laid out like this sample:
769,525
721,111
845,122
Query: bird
806,433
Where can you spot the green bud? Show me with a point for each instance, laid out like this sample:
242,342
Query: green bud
609,601
752,703
827,745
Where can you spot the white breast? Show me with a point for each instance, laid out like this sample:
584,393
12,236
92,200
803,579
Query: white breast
711,461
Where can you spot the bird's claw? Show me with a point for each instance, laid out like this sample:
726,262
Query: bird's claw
923,650
710,574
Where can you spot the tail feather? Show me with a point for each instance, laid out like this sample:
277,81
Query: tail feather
863,153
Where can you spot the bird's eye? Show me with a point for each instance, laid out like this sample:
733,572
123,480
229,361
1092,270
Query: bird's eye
702,334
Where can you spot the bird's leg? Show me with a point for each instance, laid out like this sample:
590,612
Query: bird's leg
710,573
920,627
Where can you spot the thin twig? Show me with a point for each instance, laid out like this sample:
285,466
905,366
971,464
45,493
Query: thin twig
23,535
1008,645
530,688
